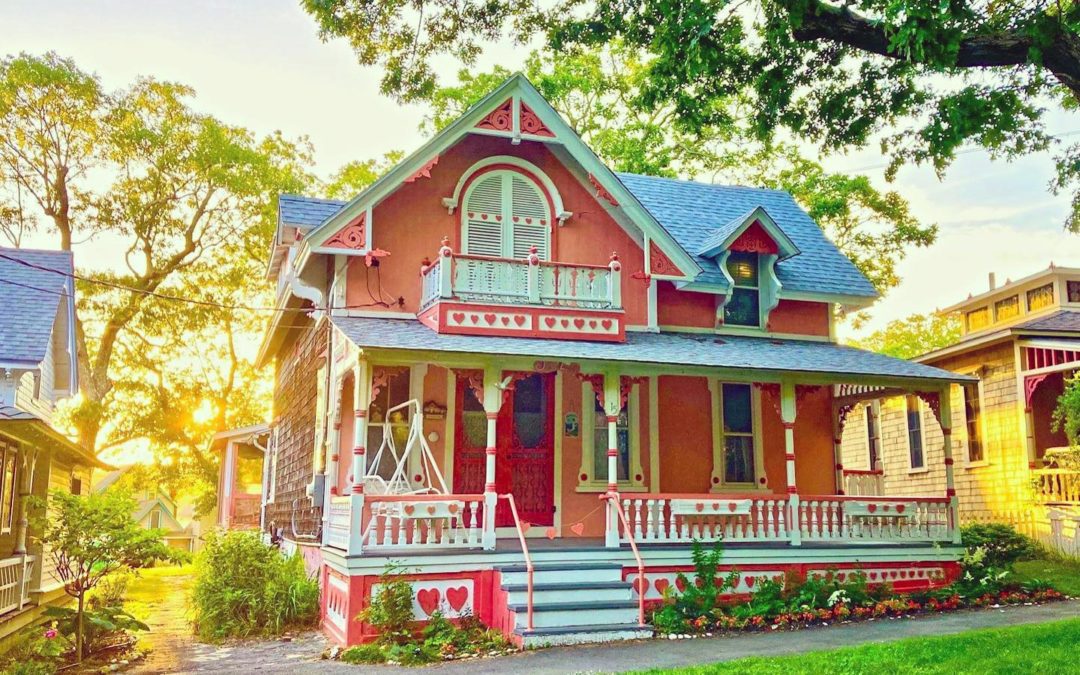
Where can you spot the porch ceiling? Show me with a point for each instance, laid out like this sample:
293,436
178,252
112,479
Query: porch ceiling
806,357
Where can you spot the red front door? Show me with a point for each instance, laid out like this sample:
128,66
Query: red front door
525,448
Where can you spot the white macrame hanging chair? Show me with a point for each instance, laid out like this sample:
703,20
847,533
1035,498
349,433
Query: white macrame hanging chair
430,478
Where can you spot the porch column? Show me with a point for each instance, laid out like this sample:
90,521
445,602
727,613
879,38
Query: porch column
945,412
838,449
228,480
361,403
27,459
787,418
492,404
612,405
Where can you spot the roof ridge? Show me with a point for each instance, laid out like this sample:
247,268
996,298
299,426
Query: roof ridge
325,200
20,249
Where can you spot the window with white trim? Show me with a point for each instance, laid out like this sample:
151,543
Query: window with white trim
873,436
8,488
505,214
743,308
738,439
916,444
971,398
594,442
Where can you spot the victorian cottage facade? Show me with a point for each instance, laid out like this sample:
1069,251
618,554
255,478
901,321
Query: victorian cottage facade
532,383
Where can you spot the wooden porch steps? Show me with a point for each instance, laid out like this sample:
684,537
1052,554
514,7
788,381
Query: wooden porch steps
573,603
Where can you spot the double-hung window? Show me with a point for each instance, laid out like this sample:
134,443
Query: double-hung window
973,422
873,437
737,434
743,308
916,452
594,432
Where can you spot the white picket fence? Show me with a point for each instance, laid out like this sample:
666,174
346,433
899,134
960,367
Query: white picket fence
1056,528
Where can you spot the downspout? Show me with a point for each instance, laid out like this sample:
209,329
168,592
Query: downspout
265,481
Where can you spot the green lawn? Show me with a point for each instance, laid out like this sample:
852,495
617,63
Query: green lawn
1064,575
1047,649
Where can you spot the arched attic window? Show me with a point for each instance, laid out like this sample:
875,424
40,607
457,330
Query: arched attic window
505,213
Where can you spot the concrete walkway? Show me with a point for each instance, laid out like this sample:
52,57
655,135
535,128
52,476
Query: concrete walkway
301,654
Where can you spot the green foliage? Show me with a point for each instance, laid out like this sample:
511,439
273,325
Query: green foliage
110,591
919,79
913,336
350,179
369,653
391,608
1001,544
245,588
102,626
90,538
1067,418
1061,573
698,597
601,95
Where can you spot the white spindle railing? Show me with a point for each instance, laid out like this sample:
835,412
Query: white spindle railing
663,518
878,519
584,287
1057,486
423,522
527,281
859,483
338,523
15,575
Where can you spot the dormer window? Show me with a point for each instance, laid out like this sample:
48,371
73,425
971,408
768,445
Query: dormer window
1007,308
1038,298
744,307
977,319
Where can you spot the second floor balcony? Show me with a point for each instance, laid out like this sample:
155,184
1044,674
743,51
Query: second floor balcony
528,297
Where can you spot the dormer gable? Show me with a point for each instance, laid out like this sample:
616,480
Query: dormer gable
753,232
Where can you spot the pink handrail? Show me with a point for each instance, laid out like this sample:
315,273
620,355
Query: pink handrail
614,500
528,559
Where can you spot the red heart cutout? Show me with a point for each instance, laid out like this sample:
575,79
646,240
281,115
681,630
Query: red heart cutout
606,323
459,317
528,221
431,510
893,574
680,584
661,585
750,582
566,323
841,576
525,526
699,507
871,507
506,321
716,506
732,506
577,528
519,320
900,508
873,575
885,507
457,597
550,533
490,318
592,324
638,584
453,508
550,321
475,318
579,323
428,599
409,508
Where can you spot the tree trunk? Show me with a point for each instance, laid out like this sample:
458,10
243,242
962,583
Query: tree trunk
79,629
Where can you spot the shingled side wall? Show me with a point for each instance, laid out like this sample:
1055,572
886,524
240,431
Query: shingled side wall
294,413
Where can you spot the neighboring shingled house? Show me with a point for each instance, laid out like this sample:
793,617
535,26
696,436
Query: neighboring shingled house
37,369
154,510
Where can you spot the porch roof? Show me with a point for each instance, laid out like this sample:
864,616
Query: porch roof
673,349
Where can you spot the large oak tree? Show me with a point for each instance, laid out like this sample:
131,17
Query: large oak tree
920,77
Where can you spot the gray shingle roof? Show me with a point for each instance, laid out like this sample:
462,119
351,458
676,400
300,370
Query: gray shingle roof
744,353
691,211
11,413
1062,320
306,212
29,299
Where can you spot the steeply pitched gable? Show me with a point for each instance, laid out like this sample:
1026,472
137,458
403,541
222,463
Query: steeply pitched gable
32,285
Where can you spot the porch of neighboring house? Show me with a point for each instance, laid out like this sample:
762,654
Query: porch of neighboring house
600,474
1046,364
241,476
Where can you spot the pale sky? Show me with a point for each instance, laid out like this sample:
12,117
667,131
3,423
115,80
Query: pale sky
260,64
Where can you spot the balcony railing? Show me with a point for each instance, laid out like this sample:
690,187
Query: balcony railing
863,483
528,281
15,575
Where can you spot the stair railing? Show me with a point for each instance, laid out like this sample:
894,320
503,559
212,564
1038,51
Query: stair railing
528,559
616,503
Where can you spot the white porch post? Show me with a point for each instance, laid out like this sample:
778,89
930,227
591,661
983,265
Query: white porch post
787,418
27,459
492,404
361,403
612,405
228,465
838,449
945,411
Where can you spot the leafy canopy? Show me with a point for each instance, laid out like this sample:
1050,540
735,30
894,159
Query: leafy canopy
913,336
600,95
920,77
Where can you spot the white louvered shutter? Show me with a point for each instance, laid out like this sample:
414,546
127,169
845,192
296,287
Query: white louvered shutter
484,217
529,218
506,214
